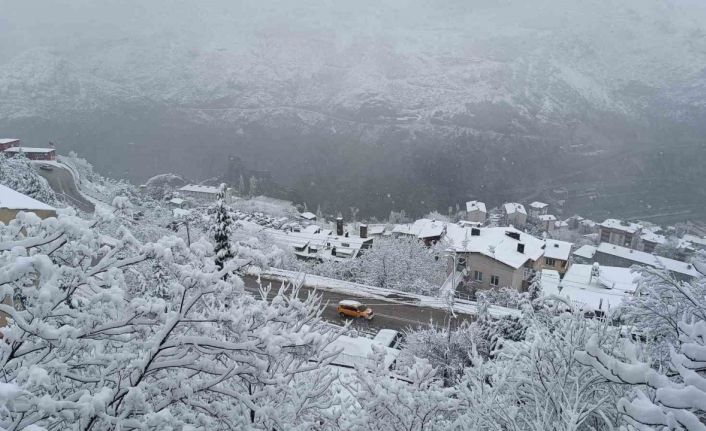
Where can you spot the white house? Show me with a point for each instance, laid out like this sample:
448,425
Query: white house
200,192
476,211
537,209
514,214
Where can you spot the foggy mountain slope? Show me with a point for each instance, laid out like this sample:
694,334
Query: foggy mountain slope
280,82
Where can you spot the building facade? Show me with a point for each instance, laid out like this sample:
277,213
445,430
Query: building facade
618,232
476,212
514,214
46,154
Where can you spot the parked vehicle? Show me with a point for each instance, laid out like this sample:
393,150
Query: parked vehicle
46,167
388,338
355,309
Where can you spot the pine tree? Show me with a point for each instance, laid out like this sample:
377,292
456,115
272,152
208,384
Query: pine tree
253,186
241,187
222,229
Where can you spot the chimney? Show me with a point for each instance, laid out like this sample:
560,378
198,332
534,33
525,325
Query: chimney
475,231
521,248
339,226
363,231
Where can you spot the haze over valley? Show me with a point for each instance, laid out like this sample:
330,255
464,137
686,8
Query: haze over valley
401,105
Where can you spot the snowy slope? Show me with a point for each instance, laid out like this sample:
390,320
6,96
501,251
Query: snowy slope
532,63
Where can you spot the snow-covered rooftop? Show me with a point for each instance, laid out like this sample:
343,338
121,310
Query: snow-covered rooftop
308,215
376,229
176,201
642,258
195,188
495,243
178,212
588,223
29,150
349,303
547,217
514,207
588,292
538,205
475,206
315,242
556,249
585,251
616,224
14,200
422,228
694,239
355,351
8,140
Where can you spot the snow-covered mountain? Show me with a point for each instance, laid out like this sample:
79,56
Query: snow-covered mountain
540,62
592,74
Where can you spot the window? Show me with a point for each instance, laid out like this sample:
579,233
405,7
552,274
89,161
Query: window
477,276
605,235
549,261
494,280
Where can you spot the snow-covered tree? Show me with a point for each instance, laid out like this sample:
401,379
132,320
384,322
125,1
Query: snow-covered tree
85,350
659,306
667,378
538,384
18,174
253,190
222,228
413,399
401,264
450,350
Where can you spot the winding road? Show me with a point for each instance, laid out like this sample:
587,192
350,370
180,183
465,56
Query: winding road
62,182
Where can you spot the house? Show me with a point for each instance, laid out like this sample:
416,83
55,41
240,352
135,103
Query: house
308,216
615,255
376,230
695,241
200,192
32,153
537,209
495,256
587,226
177,202
316,243
514,214
425,230
556,255
6,143
547,222
476,211
584,254
12,202
618,232
590,288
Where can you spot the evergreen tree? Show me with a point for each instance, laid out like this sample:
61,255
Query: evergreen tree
241,187
222,229
253,186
